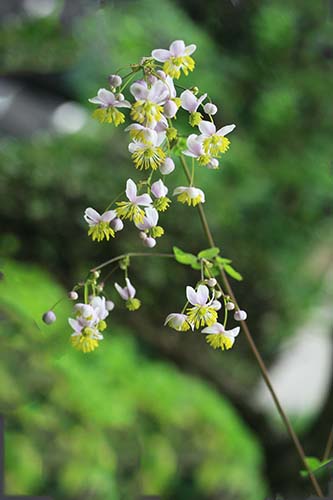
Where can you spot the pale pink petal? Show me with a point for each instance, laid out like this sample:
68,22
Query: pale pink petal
109,216
216,328
75,324
139,90
201,99
151,216
190,49
158,93
106,96
130,288
207,128
226,130
92,216
122,104
179,190
161,55
234,332
143,200
191,295
188,101
96,100
202,294
131,190
177,48
135,146
122,291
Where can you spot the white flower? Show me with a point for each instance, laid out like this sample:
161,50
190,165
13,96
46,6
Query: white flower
85,314
214,141
128,294
147,153
99,224
131,209
99,305
203,312
149,101
196,150
178,322
219,337
107,99
190,195
150,219
189,102
175,59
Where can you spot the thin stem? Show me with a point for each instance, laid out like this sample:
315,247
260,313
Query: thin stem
329,445
132,254
254,349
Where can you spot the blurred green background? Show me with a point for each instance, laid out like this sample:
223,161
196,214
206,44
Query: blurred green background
152,411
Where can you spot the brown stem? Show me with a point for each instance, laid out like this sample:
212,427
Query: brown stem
255,351
329,445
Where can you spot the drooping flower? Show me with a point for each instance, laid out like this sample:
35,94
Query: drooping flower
131,209
148,153
128,294
178,322
99,225
203,312
191,103
108,107
101,310
160,191
195,149
176,59
190,195
219,337
214,141
84,338
148,107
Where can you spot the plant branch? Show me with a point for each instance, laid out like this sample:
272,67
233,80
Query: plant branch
255,351
329,445
132,254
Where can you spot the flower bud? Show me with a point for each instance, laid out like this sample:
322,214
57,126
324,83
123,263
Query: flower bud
240,315
115,80
100,287
97,274
212,282
230,306
167,166
120,97
213,164
73,295
210,108
142,235
49,317
218,294
149,242
117,224
170,109
109,305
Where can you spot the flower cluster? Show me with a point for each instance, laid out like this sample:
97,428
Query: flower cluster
154,101
149,111
201,312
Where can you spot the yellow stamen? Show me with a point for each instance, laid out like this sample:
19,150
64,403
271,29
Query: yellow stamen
109,115
217,340
201,316
128,210
100,231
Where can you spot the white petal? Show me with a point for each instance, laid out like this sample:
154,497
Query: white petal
188,101
130,288
92,216
143,199
109,216
190,49
202,294
106,96
179,190
161,55
234,332
207,128
226,130
177,48
191,295
216,328
131,190
139,90
122,291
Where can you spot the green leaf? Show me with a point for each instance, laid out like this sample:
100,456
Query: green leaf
315,465
232,272
209,253
184,258
223,260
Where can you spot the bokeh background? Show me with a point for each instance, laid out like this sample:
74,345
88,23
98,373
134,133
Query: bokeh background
152,411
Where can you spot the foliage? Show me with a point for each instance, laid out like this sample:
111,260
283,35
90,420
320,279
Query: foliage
113,423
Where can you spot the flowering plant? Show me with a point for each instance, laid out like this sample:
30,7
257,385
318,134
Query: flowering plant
153,102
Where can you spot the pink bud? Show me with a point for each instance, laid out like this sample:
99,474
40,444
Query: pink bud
49,317
170,109
117,224
115,80
167,166
210,108
73,295
240,315
149,242
230,306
